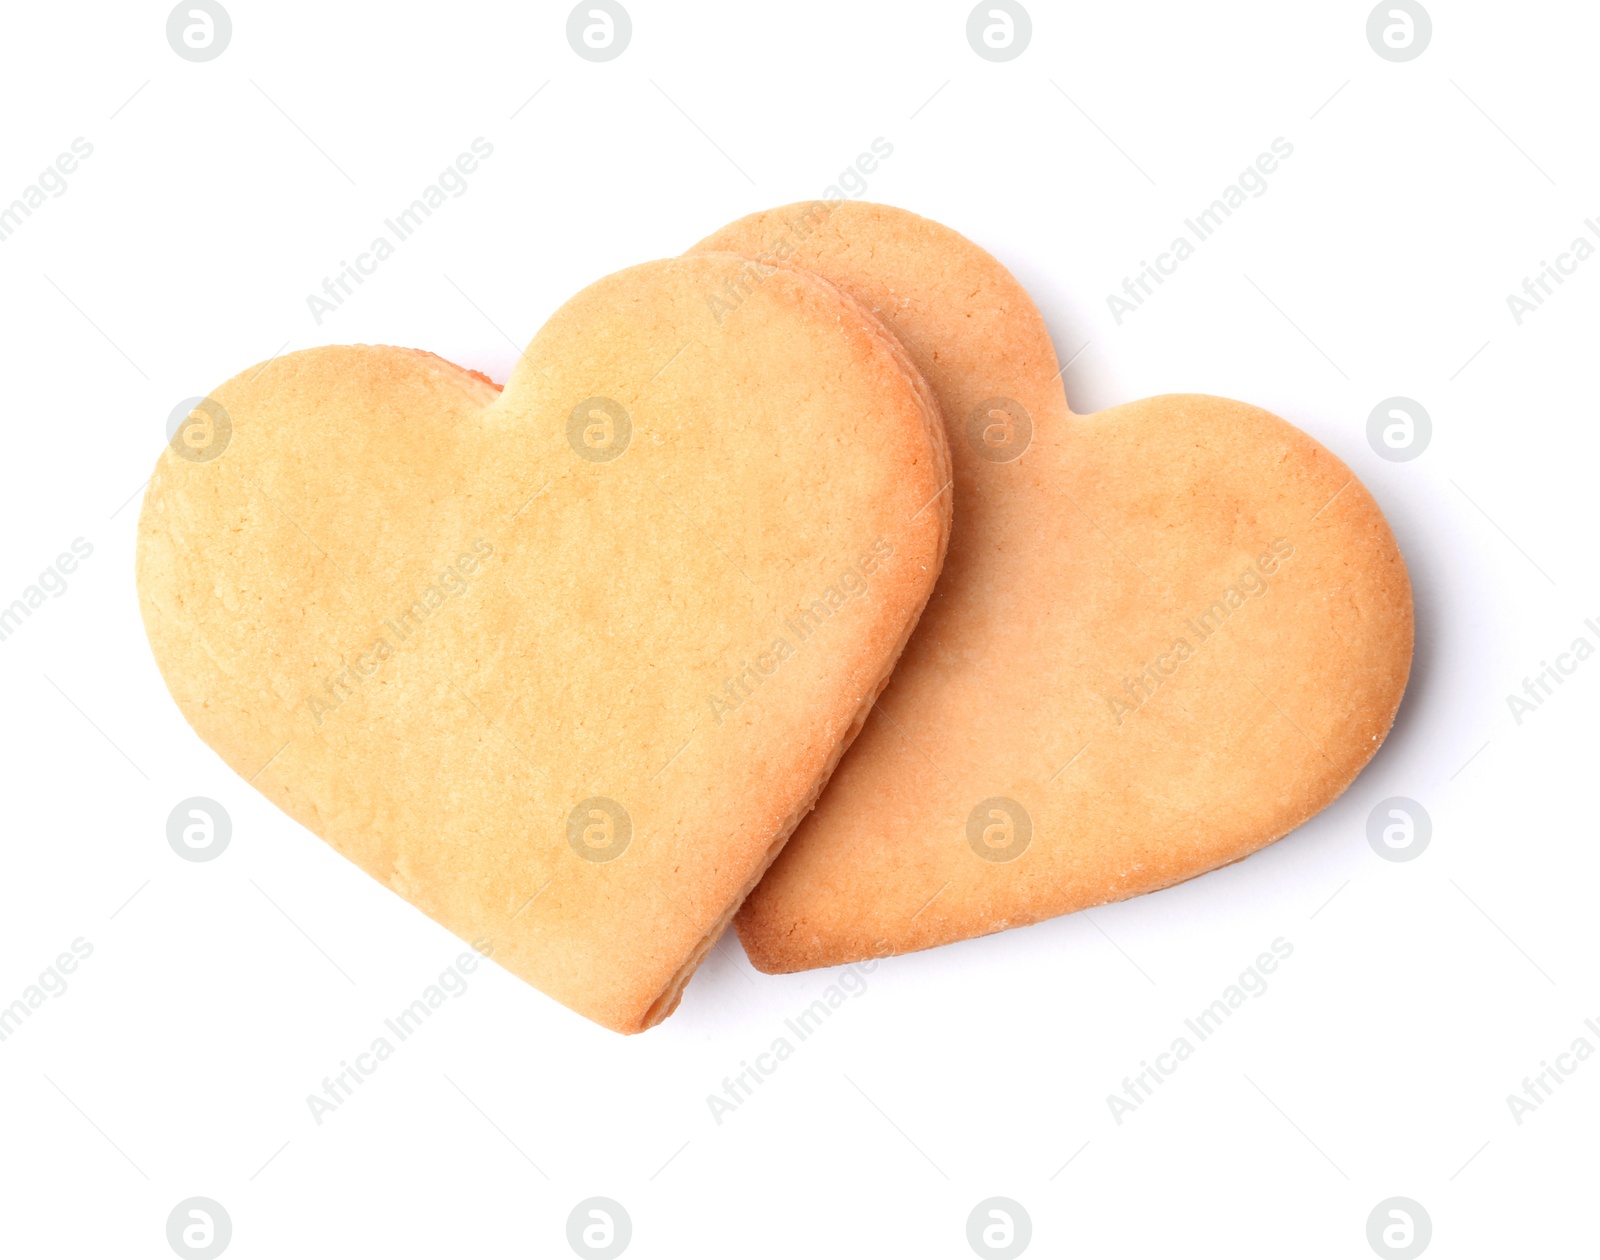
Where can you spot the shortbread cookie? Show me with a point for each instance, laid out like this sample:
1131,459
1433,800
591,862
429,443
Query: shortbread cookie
564,665
1166,634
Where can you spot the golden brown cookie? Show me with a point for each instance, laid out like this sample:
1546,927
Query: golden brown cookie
1166,634
564,665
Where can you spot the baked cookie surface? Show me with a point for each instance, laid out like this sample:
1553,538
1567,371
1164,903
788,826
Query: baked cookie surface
562,665
1166,634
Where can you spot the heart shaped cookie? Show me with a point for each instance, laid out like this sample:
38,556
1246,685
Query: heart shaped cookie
561,665
1166,634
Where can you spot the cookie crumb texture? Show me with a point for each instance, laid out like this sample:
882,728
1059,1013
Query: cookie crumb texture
561,665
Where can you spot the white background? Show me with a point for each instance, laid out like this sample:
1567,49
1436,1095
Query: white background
1378,1063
